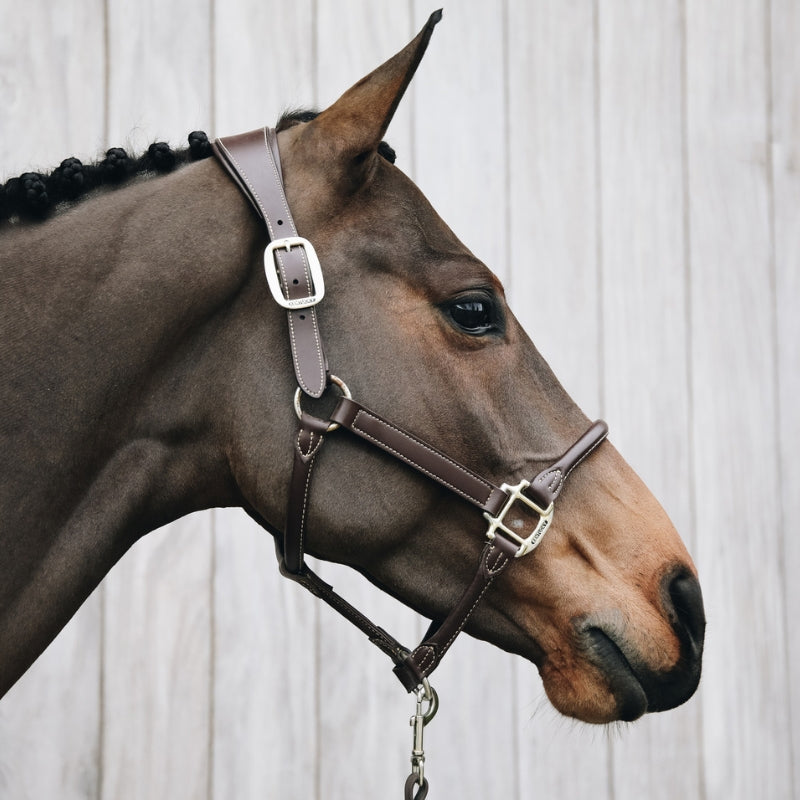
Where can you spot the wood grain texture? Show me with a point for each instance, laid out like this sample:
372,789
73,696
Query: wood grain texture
157,613
785,164
265,670
51,93
746,725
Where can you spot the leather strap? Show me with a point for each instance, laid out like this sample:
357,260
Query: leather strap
545,487
496,556
309,439
412,668
253,160
418,454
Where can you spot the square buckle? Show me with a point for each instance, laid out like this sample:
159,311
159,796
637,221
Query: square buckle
273,281
527,543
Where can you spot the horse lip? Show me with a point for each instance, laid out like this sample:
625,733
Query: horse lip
625,684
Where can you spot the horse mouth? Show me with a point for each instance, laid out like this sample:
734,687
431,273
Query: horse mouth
624,683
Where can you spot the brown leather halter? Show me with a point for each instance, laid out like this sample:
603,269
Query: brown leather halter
295,280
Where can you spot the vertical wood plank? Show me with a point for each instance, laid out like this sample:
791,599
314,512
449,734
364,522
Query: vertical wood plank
52,80
157,660
460,164
645,325
265,720
553,188
265,682
785,163
363,710
746,723
553,235
52,67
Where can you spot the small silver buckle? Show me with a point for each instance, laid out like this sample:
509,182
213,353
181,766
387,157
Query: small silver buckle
530,542
271,270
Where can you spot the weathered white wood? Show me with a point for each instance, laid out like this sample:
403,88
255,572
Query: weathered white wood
156,676
553,188
460,164
363,709
265,739
265,656
785,164
554,289
52,68
746,725
51,91
645,356
157,615
263,61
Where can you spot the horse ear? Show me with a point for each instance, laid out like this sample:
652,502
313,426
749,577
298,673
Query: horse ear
355,124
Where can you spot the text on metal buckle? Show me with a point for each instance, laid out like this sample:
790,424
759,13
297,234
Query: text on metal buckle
272,266
527,543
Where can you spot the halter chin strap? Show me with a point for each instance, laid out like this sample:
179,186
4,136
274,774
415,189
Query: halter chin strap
295,280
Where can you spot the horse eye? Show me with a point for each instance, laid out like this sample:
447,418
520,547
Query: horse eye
475,315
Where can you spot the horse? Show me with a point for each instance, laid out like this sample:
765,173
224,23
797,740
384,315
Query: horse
148,374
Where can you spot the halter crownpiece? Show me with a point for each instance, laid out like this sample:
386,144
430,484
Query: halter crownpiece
295,279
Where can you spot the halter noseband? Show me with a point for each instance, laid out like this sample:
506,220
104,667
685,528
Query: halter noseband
296,282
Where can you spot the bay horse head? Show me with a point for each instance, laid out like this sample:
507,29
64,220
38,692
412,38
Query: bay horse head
149,374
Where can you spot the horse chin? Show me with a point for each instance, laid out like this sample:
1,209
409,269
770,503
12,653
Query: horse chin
611,682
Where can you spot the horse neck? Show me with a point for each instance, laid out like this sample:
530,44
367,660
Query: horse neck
108,309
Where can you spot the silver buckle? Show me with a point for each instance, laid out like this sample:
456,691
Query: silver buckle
527,543
271,269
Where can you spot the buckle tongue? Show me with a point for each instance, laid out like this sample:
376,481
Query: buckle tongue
272,266
527,543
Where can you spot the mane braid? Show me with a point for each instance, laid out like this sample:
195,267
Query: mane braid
34,195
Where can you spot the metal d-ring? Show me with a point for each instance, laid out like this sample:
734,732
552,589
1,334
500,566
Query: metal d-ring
333,379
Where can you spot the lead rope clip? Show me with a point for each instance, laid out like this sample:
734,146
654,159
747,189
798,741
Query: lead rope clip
425,694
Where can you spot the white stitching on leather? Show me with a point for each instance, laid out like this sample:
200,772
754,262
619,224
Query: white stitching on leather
307,273
414,463
244,177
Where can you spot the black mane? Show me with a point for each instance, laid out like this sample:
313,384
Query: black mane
34,195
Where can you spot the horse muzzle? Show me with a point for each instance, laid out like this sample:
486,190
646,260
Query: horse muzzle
636,686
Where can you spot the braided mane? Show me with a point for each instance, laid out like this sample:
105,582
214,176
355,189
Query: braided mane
34,195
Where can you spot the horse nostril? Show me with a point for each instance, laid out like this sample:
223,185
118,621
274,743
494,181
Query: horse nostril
685,608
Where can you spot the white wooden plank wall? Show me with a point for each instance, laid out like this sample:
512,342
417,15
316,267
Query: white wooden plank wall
631,169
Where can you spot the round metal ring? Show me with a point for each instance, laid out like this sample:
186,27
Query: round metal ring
299,393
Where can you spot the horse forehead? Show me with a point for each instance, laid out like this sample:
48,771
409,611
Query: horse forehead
400,222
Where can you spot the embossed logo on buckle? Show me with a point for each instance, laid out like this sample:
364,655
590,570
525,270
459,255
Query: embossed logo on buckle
527,543
271,267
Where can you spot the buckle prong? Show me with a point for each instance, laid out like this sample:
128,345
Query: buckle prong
527,543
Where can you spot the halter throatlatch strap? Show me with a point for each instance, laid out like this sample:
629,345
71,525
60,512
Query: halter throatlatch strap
253,160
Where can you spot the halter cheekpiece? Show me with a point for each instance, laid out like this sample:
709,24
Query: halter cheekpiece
295,279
